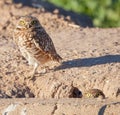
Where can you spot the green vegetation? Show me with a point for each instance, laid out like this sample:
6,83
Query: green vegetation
105,13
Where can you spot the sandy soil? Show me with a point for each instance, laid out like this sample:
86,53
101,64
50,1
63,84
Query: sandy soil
91,59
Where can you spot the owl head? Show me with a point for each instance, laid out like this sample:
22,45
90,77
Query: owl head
95,93
28,22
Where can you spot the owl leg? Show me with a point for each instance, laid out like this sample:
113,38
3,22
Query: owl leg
34,69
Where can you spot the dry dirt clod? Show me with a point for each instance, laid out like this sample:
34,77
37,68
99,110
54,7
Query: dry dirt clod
56,11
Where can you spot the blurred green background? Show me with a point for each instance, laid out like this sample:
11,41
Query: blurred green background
104,13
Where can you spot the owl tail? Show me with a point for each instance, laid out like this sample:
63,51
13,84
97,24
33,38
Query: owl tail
57,58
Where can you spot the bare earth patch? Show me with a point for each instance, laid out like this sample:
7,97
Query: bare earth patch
91,60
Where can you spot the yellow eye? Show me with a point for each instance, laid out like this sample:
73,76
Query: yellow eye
34,22
97,95
22,22
89,95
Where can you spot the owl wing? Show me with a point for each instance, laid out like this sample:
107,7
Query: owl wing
43,41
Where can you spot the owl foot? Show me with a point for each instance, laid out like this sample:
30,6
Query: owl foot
33,78
43,71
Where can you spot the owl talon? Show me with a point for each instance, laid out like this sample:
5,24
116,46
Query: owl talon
43,71
33,78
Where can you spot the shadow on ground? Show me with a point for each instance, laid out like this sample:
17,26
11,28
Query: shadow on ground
79,19
88,62
103,108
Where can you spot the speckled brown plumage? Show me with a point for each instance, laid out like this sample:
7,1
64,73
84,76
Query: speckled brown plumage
34,42
94,93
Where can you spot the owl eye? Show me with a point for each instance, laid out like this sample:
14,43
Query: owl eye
34,22
97,95
88,95
22,22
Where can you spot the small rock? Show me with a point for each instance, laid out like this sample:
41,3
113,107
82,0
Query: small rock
56,11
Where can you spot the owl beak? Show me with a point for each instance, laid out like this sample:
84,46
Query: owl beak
29,26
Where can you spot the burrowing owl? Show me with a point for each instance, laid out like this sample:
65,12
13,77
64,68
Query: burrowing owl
34,42
94,93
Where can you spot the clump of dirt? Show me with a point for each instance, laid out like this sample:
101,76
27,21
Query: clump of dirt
16,91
